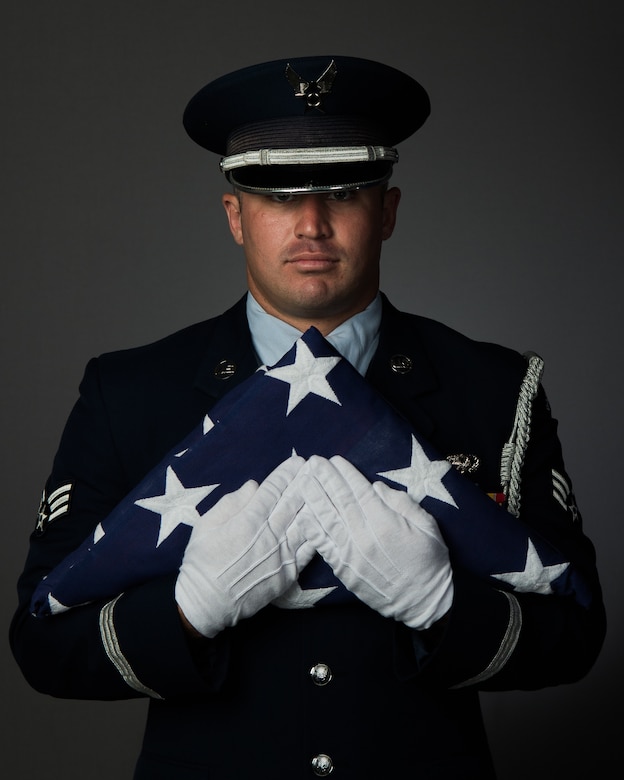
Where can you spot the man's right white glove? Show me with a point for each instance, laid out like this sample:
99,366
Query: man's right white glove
247,550
382,545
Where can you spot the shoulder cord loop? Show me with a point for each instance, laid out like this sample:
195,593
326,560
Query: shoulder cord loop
514,451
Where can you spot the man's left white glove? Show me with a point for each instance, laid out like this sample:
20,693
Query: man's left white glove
381,544
244,552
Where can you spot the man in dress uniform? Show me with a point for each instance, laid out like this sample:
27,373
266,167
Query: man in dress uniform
278,679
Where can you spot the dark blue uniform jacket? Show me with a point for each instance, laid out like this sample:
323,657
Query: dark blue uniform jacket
243,705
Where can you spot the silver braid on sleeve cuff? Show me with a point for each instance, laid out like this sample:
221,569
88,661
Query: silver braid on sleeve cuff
113,650
507,645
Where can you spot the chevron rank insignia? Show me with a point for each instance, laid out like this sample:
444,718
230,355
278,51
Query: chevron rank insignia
562,493
52,506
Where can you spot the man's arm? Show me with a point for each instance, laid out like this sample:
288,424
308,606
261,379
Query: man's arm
134,645
500,640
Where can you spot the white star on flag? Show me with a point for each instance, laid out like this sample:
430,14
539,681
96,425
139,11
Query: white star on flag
55,605
535,578
208,424
308,374
177,505
423,477
99,533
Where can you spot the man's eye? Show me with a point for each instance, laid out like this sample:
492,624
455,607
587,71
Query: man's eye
341,195
282,197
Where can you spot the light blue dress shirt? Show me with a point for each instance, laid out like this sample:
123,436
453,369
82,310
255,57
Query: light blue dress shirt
356,339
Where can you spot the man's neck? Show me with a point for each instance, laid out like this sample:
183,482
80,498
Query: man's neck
325,324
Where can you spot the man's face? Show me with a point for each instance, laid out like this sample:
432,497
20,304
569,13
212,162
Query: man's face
313,258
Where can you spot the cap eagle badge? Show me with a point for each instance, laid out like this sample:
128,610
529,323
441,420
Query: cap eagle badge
312,91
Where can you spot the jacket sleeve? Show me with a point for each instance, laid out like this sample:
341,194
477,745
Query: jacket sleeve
129,647
498,640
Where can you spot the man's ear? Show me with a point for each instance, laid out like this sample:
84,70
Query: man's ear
232,206
392,196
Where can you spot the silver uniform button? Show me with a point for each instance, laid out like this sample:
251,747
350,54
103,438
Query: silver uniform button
321,674
225,369
322,765
401,364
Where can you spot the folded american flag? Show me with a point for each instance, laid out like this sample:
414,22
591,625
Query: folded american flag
314,402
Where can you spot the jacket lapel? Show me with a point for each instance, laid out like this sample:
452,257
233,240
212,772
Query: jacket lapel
401,369
229,358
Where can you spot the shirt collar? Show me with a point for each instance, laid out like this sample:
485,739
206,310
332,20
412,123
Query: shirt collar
355,339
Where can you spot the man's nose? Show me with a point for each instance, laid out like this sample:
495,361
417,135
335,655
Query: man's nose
313,217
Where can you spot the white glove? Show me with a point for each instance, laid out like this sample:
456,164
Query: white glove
244,552
383,546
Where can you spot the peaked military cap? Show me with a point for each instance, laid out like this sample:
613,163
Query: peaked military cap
308,124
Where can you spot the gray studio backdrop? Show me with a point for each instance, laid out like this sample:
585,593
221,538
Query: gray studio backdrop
510,230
